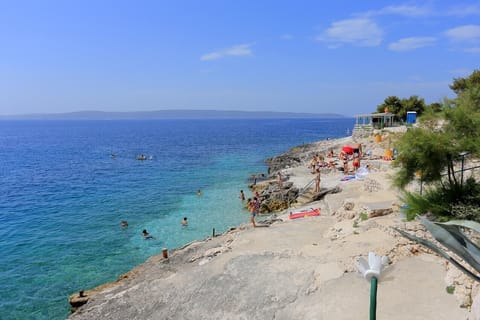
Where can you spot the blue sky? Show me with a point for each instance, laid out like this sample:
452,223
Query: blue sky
303,56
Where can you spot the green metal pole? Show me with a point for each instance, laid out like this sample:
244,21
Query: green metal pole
373,298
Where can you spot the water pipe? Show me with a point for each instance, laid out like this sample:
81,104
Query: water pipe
371,271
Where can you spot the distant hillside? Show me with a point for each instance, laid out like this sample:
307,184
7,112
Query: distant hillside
167,114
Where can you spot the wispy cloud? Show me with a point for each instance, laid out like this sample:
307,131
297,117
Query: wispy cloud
402,10
475,50
237,50
464,10
460,72
287,36
429,9
359,31
408,44
414,11
415,77
467,33
466,37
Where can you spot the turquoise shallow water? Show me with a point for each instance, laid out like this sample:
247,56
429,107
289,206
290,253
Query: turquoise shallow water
62,196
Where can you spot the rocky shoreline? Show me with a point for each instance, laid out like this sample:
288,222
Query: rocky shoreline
295,269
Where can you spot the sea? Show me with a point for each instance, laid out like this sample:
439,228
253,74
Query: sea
65,186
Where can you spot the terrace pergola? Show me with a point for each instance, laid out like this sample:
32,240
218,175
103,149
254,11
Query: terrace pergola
375,120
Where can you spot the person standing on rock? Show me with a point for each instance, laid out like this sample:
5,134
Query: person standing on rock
317,181
254,207
256,203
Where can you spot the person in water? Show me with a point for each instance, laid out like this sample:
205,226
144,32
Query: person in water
199,193
147,235
184,222
242,195
124,223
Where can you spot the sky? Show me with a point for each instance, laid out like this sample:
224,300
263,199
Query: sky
340,57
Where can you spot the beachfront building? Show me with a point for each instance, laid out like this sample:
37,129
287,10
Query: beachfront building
365,123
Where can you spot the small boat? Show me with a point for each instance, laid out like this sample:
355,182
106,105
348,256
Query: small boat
141,157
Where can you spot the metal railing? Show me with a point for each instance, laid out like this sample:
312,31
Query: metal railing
305,188
461,171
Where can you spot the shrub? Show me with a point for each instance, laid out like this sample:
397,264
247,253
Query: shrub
446,202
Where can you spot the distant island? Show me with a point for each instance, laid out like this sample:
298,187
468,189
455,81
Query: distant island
168,114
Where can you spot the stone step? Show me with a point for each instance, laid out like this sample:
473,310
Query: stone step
305,196
303,200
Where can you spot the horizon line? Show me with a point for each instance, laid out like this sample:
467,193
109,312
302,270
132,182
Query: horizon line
164,113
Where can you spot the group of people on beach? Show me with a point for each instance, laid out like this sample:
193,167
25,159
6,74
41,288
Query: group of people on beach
318,161
354,156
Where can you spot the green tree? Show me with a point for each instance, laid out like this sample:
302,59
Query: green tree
392,103
399,107
414,103
433,151
425,153
435,107
460,85
432,115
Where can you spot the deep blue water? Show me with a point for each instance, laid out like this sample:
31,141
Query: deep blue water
62,196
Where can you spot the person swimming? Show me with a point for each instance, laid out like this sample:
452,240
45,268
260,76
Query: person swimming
184,222
124,223
199,193
147,235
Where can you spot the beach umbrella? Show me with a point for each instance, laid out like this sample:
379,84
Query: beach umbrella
371,271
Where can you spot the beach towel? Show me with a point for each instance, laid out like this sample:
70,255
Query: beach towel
362,172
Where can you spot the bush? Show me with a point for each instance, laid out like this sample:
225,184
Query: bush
446,202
